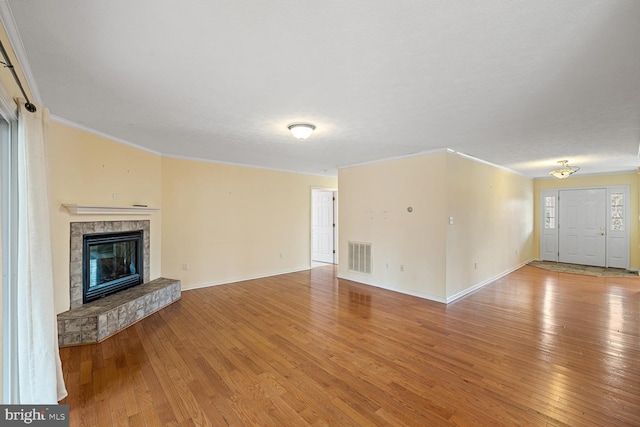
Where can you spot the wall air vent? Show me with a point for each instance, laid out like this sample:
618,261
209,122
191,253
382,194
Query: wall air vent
360,257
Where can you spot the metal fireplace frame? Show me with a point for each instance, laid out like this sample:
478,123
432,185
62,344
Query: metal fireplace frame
91,293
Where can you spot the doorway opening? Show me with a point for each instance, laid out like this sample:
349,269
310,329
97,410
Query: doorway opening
586,226
324,227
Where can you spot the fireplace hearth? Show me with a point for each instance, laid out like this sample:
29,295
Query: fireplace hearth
112,257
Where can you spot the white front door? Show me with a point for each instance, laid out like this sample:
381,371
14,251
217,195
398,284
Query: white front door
322,226
582,226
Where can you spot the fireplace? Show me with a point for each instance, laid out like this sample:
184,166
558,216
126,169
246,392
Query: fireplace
77,264
111,262
111,253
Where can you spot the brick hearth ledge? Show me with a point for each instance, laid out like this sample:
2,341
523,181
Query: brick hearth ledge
98,320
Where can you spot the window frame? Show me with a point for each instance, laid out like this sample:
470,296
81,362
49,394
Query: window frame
9,241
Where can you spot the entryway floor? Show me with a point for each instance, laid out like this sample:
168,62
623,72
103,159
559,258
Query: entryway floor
583,269
315,264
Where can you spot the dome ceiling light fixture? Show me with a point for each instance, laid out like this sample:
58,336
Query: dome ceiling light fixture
565,170
301,130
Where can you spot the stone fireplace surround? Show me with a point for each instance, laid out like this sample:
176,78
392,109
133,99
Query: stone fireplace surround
99,319
79,229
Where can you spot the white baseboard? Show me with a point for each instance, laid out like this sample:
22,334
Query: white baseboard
485,282
391,288
357,279
447,300
243,279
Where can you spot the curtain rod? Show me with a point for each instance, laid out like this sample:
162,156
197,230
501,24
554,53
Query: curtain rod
29,106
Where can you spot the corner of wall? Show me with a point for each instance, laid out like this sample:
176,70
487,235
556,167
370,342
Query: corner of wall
87,169
489,223
408,244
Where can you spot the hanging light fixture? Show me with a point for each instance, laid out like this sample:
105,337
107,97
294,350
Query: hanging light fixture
301,130
565,170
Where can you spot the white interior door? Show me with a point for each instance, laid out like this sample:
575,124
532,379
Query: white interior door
322,226
582,226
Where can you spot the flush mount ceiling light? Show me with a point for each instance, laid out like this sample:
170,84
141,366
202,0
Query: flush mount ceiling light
301,130
565,170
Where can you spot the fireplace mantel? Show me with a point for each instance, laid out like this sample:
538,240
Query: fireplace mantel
77,209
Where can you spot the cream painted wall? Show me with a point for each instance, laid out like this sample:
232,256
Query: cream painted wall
226,223
492,223
578,181
229,223
492,212
373,208
87,169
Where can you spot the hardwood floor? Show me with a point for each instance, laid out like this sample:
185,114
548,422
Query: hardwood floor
534,348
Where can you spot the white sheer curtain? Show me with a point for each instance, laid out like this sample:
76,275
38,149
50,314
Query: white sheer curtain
39,368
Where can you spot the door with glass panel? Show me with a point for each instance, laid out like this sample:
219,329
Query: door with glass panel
618,217
549,226
585,226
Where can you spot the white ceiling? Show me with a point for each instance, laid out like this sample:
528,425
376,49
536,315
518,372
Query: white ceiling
521,84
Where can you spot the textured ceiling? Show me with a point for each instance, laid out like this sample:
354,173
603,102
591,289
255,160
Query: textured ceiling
521,84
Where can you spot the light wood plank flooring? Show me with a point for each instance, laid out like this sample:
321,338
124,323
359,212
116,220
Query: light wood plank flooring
534,348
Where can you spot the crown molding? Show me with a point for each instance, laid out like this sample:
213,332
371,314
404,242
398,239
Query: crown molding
475,159
62,121
11,28
573,177
248,165
392,158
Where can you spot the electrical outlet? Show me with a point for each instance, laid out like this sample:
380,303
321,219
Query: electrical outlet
116,196
281,254
401,267
185,266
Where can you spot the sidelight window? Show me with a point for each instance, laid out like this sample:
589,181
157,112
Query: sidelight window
550,212
616,205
